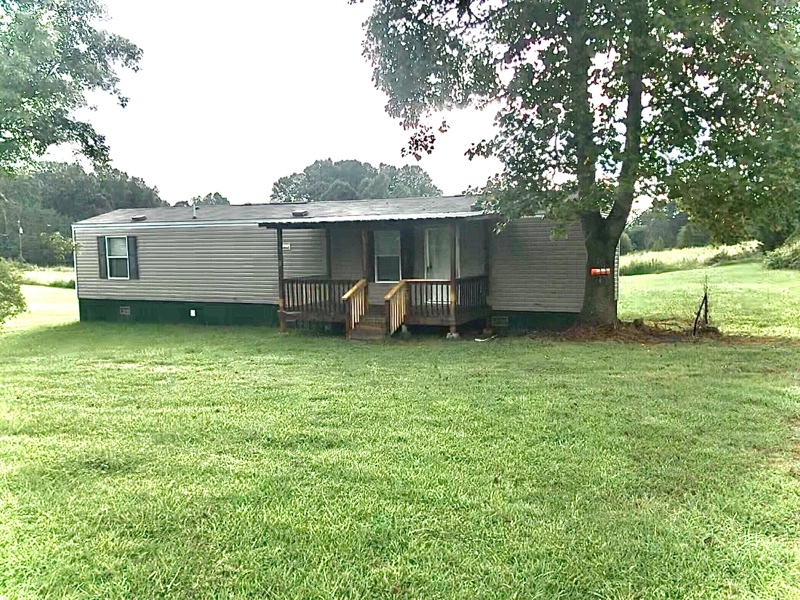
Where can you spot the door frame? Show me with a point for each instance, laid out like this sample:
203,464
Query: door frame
427,248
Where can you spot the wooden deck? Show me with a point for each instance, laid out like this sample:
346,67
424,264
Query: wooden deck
411,302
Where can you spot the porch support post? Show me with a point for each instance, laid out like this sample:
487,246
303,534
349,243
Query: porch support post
488,231
453,276
365,254
487,247
281,289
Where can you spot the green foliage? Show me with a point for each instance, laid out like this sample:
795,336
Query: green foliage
12,301
657,227
353,180
211,199
784,257
45,200
625,244
598,101
652,265
62,246
53,54
692,235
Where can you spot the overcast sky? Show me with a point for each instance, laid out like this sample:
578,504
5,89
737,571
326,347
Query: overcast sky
228,100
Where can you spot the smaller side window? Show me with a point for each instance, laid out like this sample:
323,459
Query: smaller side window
117,257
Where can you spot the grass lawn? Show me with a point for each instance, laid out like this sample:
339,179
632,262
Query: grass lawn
189,462
46,307
745,299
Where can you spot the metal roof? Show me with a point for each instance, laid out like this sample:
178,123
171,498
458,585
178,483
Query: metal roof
287,215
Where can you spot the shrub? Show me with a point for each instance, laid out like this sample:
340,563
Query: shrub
625,244
644,267
67,284
784,257
12,302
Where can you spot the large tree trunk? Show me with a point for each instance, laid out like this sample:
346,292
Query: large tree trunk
602,234
599,298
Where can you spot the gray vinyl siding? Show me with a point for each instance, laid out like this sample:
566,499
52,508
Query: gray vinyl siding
531,272
236,264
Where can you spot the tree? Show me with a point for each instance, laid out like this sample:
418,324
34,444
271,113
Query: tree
47,198
600,101
692,235
12,302
353,180
658,226
214,199
52,54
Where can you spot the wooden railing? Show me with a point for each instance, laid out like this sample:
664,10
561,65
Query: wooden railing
356,300
396,307
311,296
429,297
472,292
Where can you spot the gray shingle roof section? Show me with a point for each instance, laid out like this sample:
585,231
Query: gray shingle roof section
269,215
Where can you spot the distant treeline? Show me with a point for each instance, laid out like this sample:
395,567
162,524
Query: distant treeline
662,227
38,207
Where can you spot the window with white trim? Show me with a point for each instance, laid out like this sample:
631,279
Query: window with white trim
117,257
388,263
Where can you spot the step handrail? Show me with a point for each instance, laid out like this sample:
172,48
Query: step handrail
362,283
396,307
357,301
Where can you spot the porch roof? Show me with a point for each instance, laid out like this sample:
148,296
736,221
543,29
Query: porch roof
315,214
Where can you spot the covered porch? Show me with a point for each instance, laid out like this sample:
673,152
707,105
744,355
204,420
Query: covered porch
381,275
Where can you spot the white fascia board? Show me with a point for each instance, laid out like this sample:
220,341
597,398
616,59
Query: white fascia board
144,225
292,221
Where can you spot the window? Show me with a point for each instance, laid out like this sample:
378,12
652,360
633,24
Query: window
387,257
117,255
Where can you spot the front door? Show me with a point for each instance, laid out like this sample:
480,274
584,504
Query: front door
437,263
437,253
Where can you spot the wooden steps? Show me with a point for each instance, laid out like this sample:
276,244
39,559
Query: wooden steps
372,325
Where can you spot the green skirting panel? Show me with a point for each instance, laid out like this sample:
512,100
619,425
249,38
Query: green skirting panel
205,313
532,321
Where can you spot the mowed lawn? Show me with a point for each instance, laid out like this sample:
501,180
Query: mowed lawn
190,462
745,299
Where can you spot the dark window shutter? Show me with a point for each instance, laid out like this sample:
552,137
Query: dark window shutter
133,258
101,257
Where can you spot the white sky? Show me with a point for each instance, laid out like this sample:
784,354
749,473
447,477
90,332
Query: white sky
231,97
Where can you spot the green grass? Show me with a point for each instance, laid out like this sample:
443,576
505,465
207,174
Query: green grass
745,299
60,277
46,307
189,462
683,259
